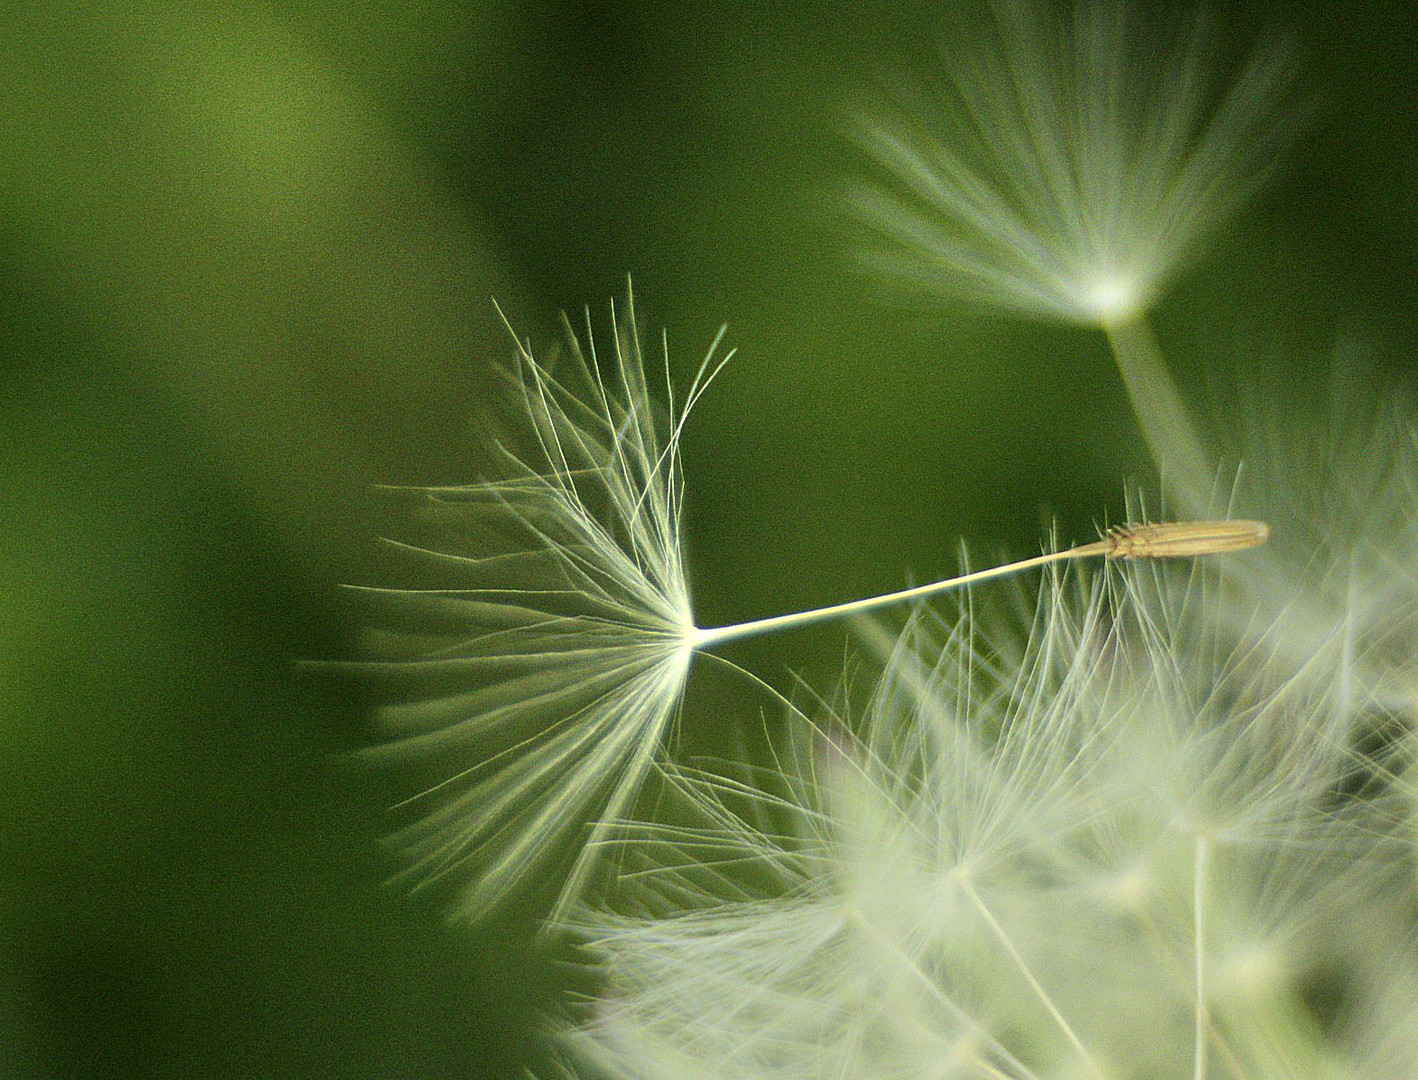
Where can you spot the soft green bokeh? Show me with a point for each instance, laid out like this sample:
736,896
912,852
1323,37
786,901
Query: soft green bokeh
246,262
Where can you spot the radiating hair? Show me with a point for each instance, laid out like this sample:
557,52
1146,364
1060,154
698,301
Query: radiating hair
538,683
1065,167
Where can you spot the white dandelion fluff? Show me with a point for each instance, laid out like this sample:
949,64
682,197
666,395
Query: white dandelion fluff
1335,598
1337,470
1069,169
1070,165
1118,851
536,683
547,676
1334,468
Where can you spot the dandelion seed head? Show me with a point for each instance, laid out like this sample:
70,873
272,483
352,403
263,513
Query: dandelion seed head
536,683
1070,166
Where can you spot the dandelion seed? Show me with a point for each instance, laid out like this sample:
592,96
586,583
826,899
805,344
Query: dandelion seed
538,687
1076,166
1073,165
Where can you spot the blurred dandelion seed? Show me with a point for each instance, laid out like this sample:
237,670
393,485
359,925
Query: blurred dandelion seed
542,684
1073,166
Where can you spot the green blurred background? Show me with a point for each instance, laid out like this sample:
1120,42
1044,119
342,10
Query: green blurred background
247,254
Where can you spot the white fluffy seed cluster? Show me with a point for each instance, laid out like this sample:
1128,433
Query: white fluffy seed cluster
1123,843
